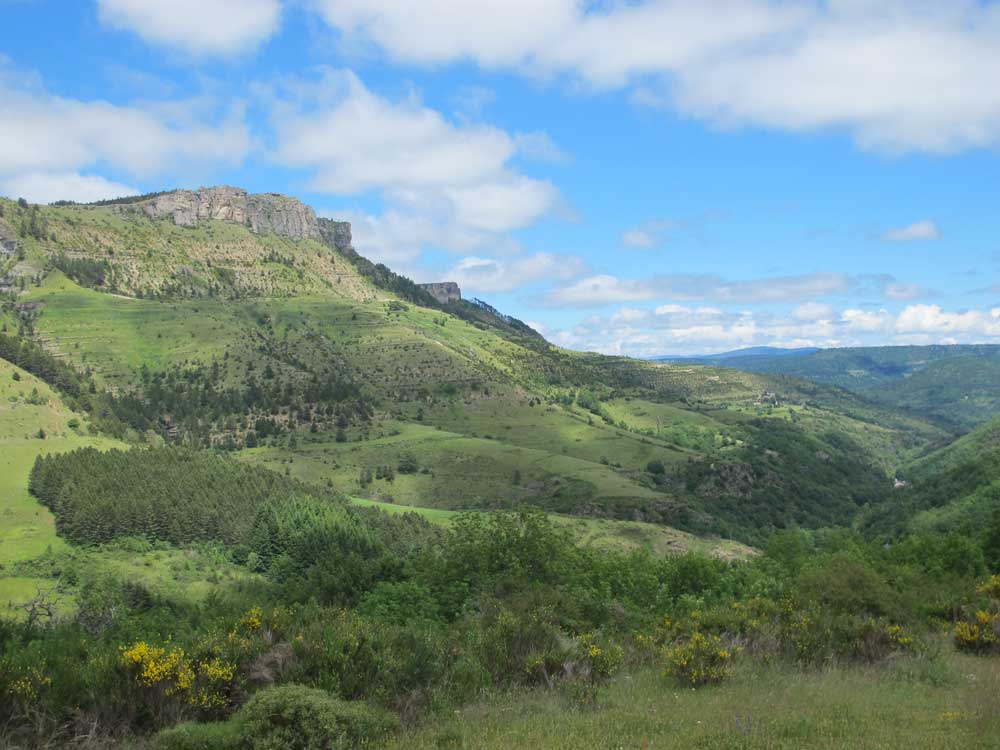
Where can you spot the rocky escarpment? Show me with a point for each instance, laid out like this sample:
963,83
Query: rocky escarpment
260,212
335,233
444,292
8,242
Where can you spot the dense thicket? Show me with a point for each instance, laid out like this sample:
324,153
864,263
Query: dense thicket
173,494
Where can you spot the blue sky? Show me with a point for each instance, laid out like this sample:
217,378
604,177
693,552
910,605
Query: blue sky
666,176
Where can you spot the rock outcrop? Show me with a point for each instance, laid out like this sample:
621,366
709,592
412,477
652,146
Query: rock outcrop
260,212
8,242
444,292
335,233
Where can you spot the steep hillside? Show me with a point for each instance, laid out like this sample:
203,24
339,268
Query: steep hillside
958,484
243,322
957,386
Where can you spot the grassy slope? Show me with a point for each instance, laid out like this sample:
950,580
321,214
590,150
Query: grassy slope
475,406
30,551
26,528
618,536
761,709
961,481
957,385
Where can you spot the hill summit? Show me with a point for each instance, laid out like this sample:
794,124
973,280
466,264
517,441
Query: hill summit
259,212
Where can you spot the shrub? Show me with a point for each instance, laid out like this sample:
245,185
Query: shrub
226,735
294,717
701,660
600,657
399,603
980,636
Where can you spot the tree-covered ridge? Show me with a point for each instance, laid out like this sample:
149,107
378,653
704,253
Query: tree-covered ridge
957,386
173,494
955,486
328,380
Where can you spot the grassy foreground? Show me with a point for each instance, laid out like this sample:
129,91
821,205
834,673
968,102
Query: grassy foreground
954,703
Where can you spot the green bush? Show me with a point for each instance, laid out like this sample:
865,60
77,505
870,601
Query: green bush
225,735
294,717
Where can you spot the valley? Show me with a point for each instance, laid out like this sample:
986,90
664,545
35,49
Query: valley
244,437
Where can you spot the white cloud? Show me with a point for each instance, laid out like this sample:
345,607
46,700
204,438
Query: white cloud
491,275
42,134
865,320
51,147
921,230
197,27
354,140
813,311
603,289
899,75
503,205
685,330
933,319
444,184
607,289
48,187
645,235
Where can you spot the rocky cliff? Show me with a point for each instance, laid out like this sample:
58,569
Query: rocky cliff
260,212
8,242
444,292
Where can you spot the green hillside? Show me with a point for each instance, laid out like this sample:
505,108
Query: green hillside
306,357
259,491
956,386
956,485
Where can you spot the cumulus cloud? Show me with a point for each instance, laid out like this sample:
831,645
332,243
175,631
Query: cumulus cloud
197,27
450,184
933,319
492,275
921,230
688,330
47,140
813,311
607,289
898,75
54,186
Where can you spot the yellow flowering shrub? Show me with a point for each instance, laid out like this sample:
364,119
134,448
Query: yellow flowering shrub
980,636
991,587
701,660
28,684
602,659
205,683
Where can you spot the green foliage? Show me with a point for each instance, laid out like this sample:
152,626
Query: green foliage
293,717
701,660
172,494
290,717
223,735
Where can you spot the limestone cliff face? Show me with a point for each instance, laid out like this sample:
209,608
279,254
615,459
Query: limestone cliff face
335,233
8,242
260,212
444,292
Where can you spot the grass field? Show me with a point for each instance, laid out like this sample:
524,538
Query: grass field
618,536
26,406
462,471
28,538
952,705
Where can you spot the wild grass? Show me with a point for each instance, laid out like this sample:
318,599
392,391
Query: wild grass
762,708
